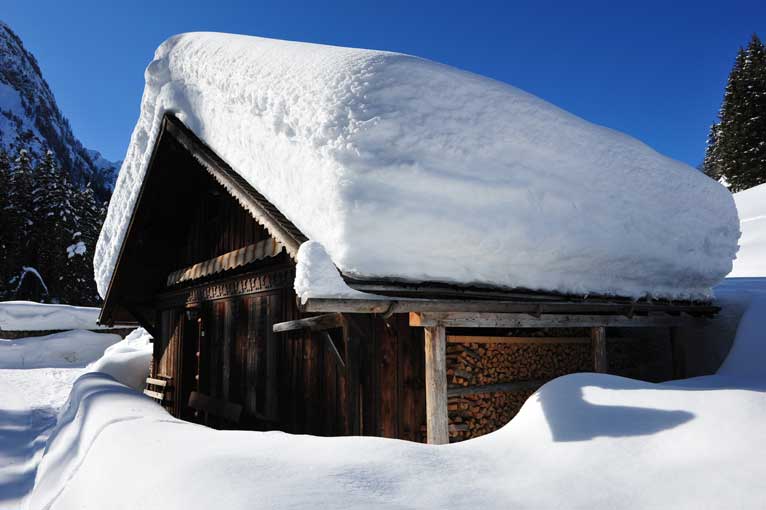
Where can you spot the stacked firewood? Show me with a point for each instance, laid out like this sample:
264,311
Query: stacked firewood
481,413
482,364
473,366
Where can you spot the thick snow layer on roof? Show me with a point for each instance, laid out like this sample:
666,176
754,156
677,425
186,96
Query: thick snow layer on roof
317,276
581,441
751,258
405,168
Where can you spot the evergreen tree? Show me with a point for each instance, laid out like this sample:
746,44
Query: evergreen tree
20,215
53,218
6,226
736,150
50,224
79,270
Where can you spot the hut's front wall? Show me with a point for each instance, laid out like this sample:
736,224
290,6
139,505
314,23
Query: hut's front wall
364,379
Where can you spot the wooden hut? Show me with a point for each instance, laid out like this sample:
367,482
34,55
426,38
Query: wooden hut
207,267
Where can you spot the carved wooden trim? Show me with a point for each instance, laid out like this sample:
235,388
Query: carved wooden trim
250,283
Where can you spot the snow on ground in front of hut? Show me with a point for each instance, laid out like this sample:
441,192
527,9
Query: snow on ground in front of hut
409,169
36,376
30,316
582,441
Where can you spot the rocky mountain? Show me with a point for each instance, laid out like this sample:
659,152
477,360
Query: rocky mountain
30,118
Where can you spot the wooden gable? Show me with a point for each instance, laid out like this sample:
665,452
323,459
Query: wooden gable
192,209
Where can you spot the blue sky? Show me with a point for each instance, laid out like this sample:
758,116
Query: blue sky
655,70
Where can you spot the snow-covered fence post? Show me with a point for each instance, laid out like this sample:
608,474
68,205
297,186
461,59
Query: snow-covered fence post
436,385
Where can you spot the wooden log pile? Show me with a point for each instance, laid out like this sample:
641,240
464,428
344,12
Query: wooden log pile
481,413
533,356
477,364
482,364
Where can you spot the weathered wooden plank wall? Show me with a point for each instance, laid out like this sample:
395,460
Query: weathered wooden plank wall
366,378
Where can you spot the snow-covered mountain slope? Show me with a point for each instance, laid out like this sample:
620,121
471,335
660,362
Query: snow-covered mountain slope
751,258
30,117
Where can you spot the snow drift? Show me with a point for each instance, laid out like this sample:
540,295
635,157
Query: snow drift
581,441
30,316
405,168
66,349
128,360
751,258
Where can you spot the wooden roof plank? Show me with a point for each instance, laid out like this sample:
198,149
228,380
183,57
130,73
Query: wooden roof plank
516,320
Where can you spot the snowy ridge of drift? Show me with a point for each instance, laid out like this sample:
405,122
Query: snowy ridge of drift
405,168
31,316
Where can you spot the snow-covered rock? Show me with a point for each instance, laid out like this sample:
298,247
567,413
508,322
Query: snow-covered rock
409,169
582,441
751,258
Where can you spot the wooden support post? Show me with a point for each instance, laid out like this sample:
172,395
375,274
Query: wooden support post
678,354
598,340
352,382
436,385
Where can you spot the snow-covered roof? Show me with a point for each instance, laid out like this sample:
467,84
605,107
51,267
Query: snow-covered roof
408,169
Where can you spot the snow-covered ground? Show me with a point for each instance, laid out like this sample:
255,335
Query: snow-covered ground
36,376
582,441
751,206
30,316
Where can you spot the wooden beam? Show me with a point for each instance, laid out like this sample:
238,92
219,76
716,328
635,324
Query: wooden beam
493,388
598,337
529,307
353,393
471,339
142,320
436,385
318,323
515,320
156,382
154,394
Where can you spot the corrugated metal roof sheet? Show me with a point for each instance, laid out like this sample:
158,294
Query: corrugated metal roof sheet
237,258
